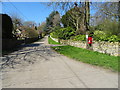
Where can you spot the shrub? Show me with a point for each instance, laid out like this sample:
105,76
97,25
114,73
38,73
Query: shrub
113,38
55,32
7,26
80,38
53,35
100,36
31,33
66,33
63,33
109,26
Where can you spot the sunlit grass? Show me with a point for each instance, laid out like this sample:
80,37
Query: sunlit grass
50,41
87,56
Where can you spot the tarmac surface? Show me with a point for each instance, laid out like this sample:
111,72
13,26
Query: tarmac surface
38,66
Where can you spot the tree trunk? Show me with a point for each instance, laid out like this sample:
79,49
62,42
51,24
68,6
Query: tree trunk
87,20
87,15
119,13
58,40
77,25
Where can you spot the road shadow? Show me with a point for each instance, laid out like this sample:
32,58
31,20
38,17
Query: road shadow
24,52
30,45
9,60
20,47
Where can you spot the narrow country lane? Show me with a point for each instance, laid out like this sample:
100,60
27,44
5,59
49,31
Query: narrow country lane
37,66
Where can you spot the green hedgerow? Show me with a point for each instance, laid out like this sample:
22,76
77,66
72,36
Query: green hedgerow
80,38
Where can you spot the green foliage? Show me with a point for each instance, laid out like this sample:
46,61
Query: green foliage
74,18
87,56
107,31
110,27
50,41
54,35
56,32
66,33
80,38
113,38
102,36
52,21
66,20
63,33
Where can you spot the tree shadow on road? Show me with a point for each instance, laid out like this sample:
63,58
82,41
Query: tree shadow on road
27,53
30,45
19,48
8,57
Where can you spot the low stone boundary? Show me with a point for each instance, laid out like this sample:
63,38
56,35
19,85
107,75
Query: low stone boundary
111,48
74,43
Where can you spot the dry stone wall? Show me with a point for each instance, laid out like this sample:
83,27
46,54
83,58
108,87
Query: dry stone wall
111,48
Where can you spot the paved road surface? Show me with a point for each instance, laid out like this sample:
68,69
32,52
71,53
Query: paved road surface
37,66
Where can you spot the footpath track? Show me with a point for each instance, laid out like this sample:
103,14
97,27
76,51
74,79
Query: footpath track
37,66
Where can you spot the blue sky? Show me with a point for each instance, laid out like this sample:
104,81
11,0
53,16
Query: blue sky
29,11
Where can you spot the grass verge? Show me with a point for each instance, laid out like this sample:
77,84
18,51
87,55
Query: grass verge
87,56
50,41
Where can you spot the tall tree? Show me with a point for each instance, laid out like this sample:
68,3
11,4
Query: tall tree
107,17
68,5
52,21
87,15
75,19
119,16
41,28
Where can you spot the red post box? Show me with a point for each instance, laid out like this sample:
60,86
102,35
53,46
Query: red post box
89,40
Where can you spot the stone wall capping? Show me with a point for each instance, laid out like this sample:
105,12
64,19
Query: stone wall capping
110,48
